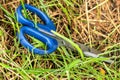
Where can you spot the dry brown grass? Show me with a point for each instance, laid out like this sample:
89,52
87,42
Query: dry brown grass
95,23
97,26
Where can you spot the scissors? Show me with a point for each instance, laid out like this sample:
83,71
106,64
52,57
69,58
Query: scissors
43,33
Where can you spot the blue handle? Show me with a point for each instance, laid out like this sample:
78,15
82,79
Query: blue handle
40,14
51,43
29,29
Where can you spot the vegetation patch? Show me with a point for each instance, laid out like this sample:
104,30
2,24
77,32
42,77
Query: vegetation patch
95,23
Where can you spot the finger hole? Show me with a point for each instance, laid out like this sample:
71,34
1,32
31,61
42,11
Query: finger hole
35,42
32,17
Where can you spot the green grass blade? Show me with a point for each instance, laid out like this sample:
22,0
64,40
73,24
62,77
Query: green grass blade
71,42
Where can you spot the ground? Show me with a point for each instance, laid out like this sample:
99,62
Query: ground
95,23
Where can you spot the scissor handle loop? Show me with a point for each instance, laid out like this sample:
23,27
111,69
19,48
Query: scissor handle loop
39,13
51,43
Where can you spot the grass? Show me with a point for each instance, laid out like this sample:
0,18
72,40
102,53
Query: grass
92,23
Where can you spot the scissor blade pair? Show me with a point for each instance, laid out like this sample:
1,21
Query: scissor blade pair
91,52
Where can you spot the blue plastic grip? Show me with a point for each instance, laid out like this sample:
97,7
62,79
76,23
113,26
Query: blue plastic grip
29,29
36,11
50,42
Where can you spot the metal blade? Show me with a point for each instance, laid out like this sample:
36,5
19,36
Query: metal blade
91,52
